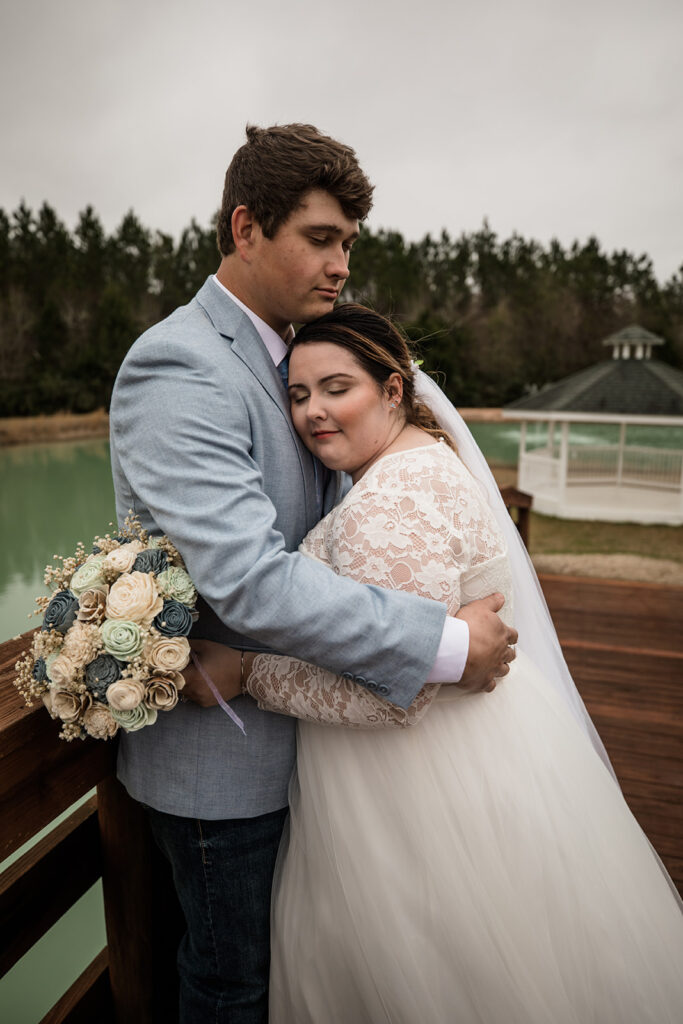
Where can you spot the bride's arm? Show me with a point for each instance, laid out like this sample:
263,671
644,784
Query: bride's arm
396,539
305,691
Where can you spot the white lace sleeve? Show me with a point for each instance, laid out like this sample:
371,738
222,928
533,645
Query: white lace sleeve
305,691
398,529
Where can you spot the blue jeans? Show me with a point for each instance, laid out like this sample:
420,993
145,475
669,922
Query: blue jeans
223,873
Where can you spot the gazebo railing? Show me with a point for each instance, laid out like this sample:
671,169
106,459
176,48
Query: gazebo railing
592,463
539,471
660,467
633,466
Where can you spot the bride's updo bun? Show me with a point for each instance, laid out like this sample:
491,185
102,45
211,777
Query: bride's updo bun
381,349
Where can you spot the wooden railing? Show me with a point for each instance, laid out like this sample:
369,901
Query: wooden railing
623,642
132,980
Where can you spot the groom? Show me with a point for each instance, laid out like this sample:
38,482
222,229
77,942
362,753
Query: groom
203,450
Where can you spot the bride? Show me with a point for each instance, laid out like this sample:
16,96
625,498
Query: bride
470,859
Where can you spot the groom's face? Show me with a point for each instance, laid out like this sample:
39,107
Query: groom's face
298,274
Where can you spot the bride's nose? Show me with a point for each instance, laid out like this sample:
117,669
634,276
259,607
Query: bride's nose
315,409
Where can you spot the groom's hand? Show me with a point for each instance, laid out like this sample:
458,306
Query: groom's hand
224,668
491,644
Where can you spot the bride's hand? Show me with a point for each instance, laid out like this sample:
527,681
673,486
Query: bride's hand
222,664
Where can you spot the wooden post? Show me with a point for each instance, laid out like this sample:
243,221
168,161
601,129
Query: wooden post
142,915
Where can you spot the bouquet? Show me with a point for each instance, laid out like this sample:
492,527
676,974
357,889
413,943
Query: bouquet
113,641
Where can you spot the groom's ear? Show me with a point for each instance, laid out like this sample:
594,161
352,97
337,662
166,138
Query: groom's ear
244,230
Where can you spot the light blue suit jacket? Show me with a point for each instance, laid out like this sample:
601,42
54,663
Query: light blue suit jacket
203,450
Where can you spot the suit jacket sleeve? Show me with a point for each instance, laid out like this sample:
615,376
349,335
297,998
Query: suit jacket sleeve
182,441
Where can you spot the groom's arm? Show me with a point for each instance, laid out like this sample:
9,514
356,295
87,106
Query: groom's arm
182,440
181,447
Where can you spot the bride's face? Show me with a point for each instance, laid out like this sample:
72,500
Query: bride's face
340,412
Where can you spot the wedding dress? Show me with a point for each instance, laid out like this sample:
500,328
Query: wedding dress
470,859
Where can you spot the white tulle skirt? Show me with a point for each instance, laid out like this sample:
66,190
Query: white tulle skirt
481,866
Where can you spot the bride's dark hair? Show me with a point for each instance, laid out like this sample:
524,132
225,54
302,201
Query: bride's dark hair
380,348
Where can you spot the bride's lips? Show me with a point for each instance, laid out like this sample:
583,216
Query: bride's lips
322,434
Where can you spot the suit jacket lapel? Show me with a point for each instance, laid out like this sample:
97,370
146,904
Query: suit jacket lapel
232,323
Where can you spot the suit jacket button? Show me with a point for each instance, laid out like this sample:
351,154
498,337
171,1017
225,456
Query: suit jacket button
347,675
382,688
361,680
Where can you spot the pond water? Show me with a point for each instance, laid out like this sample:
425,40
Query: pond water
51,496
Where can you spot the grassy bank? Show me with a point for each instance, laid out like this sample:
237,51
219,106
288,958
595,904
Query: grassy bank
549,535
61,426
73,426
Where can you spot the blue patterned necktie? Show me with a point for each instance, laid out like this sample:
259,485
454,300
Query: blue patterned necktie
283,370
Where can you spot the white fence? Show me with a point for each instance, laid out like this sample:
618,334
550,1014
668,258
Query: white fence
635,466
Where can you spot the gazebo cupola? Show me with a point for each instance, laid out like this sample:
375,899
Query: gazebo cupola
632,343
607,442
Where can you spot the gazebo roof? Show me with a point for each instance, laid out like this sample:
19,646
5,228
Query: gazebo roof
621,386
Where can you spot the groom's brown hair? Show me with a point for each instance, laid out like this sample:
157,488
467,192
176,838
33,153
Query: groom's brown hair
275,168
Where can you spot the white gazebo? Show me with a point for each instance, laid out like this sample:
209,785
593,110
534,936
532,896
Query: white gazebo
583,450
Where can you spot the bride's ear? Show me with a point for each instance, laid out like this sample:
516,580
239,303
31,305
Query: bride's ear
394,390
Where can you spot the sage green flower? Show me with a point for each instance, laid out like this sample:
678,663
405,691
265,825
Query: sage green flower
88,575
174,583
136,719
122,639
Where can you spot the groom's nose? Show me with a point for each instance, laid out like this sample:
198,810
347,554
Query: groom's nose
337,266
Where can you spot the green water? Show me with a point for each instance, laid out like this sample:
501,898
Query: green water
51,496
500,441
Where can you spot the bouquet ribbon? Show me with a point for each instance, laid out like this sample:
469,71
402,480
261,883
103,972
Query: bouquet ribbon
214,690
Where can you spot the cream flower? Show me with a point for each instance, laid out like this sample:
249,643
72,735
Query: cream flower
92,604
121,559
125,694
61,670
134,597
69,706
81,644
168,653
99,723
161,692
47,701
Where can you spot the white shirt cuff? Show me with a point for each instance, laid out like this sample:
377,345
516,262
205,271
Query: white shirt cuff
451,656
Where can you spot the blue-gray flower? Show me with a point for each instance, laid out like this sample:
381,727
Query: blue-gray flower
39,670
60,614
151,560
174,619
101,673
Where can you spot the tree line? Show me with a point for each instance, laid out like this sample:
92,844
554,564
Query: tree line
496,316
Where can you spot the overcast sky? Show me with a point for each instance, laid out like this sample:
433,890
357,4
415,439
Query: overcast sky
552,119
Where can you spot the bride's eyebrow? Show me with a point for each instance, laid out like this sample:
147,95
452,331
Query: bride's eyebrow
332,376
323,380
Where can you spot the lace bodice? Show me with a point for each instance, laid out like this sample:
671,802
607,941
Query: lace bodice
416,521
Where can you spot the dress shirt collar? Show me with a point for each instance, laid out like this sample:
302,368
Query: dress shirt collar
277,348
